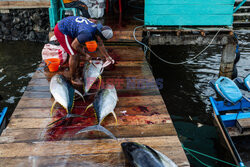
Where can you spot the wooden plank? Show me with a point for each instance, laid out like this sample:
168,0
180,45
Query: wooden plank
234,132
153,89
245,123
198,9
55,148
24,4
187,2
68,133
121,93
175,20
138,73
95,160
135,110
124,120
135,63
123,101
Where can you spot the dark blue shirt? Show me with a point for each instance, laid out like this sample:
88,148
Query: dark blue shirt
78,27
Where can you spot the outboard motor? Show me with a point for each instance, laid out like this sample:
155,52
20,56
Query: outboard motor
243,84
227,89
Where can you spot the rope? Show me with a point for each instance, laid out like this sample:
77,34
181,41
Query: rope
205,155
137,18
172,63
197,159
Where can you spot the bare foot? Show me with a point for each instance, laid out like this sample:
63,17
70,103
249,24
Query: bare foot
77,82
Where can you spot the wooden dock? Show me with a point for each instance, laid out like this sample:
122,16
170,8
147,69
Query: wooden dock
142,117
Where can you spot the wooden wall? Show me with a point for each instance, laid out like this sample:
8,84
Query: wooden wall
188,12
24,4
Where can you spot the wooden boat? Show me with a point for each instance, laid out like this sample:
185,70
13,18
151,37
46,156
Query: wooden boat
3,119
232,115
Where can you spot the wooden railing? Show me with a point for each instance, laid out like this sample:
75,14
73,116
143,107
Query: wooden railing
24,4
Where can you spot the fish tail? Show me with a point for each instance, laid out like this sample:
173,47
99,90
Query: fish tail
100,81
91,105
79,93
115,118
74,116
52,107
97,128
57,121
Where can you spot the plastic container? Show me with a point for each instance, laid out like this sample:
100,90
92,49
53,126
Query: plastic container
53,64
91,46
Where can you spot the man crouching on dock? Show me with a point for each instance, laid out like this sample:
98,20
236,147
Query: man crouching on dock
72,32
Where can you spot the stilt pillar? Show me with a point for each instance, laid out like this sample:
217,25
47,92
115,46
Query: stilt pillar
227,58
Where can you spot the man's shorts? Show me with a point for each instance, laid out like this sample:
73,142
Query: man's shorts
65,41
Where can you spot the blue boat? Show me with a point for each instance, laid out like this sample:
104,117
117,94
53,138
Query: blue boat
3,119
232,114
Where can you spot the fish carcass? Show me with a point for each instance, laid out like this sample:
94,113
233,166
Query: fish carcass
104,104
140,155
91,71
64,94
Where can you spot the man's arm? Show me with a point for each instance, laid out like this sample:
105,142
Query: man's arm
103,50
79,48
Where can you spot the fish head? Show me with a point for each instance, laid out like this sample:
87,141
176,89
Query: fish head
129,149
130,146
140,155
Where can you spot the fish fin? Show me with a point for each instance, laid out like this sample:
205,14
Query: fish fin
57,121
88,94
113,112
90,105
52,107
100,81
97,128
113,115
79,93
165,160
74,116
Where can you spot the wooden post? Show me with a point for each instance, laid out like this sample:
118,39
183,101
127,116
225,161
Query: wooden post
148,43
227,58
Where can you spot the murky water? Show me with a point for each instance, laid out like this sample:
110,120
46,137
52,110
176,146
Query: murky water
18,61
186,94
185,89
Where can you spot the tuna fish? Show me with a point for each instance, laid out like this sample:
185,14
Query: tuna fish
64,94
104,104
91,72
140,155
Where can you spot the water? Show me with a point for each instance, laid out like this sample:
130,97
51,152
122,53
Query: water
185,89
18,61
186,94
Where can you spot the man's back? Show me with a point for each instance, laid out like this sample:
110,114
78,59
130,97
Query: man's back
74,25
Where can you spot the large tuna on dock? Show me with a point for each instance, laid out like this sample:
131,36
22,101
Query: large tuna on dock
104,104
91,72
140,155
64,94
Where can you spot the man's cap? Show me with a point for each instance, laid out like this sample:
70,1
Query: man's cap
105,31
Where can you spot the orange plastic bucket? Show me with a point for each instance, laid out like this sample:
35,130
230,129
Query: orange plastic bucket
53,64
91,46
